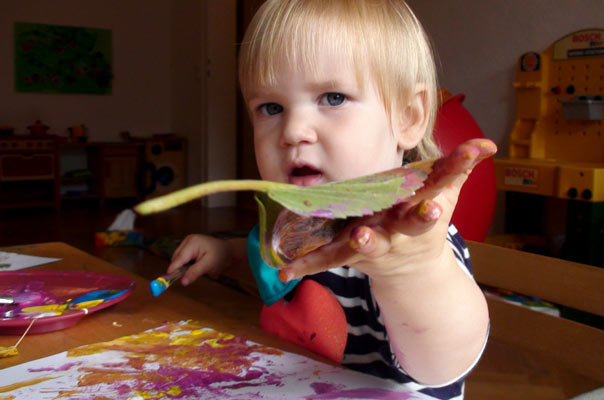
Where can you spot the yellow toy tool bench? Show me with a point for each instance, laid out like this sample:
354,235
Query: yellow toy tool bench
556,147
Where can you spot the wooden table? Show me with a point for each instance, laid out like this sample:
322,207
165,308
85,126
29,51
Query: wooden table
138,312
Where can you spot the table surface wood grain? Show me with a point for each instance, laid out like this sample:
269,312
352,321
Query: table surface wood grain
139,312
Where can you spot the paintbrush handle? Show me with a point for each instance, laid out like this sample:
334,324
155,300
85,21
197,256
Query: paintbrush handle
159,285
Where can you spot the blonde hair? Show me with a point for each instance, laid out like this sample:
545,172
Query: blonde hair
380,36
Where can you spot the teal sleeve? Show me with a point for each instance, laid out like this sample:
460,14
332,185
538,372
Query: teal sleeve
267,278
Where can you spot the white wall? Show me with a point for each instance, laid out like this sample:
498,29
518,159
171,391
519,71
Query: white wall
478,43
140,101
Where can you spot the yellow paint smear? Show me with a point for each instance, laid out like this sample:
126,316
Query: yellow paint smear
173,391
19,385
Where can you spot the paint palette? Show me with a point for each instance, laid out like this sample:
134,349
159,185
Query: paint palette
56,299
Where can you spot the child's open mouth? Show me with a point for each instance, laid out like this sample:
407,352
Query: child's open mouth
305,176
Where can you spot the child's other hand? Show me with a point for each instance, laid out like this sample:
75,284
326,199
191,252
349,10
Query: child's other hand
208,253
407,236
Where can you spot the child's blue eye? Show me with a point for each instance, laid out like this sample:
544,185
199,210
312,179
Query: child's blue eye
271,108
333,99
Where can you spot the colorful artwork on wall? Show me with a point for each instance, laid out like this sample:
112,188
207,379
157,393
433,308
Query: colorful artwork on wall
62,59
184,360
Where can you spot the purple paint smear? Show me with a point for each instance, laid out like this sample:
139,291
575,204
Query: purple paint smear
64,367
227,369
322,213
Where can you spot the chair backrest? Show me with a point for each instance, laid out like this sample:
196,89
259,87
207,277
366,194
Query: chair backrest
566,343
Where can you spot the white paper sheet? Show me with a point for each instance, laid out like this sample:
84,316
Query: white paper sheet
184,360
15,261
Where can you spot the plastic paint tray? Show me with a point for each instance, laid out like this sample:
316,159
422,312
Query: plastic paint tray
60,287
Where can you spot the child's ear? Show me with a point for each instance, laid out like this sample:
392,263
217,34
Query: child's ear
411,121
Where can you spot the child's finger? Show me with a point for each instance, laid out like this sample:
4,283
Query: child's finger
453,170
375,241
178,260
333,255
196,270
180,257
417,220
372,242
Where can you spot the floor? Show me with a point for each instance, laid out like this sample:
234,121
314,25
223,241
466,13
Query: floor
503,372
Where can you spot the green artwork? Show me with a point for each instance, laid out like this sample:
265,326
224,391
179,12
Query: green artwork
62,59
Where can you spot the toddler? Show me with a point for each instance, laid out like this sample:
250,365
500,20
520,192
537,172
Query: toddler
335,90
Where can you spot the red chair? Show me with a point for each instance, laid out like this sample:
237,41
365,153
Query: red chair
476,206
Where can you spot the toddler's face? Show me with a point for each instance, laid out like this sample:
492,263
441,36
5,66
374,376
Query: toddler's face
313,128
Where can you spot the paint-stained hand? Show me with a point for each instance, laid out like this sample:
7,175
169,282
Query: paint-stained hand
407,236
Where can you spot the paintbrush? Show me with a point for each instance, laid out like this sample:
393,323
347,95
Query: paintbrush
159,285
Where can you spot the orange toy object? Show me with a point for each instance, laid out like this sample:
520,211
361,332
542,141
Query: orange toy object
476,206
313,319
556,144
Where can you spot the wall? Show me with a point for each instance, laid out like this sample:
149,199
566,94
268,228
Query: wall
221,98
478,43
188,83
174,71
140,101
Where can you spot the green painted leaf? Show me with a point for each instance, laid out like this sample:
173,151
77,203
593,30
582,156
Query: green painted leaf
351,198
296,220
342,199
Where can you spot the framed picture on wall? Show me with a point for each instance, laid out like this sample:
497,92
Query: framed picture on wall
62,59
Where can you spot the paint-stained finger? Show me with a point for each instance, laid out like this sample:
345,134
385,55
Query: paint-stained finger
333,255
371,242
421,218
452,171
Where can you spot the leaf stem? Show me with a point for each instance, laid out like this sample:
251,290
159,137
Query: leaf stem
182,196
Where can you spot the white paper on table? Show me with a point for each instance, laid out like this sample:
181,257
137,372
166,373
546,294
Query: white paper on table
15,261
191,363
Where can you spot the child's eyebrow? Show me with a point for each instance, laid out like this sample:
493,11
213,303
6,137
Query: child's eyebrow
328,85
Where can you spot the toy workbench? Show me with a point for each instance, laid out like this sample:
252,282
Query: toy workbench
556,146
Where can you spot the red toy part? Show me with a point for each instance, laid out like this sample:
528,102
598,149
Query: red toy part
476,206
313,319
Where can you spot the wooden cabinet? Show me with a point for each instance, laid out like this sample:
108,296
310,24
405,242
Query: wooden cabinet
29,171
108,171
41,171
119,166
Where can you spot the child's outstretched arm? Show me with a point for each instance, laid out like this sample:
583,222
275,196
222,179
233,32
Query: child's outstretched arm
435,314
211,256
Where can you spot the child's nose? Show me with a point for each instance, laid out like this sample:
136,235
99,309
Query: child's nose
297,128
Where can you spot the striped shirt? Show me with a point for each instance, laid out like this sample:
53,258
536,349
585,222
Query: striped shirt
367,348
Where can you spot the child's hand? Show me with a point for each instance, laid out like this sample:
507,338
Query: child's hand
209,253
405,237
